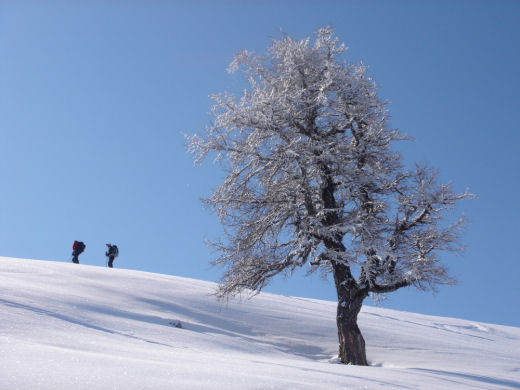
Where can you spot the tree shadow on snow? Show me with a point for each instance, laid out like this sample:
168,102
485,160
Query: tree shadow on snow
75,321
202,320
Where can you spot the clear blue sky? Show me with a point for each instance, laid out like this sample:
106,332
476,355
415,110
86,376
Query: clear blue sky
94,96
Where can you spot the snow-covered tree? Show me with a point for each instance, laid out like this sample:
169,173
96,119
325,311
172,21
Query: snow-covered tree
312,180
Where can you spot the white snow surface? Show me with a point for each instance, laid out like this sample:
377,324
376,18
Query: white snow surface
67,326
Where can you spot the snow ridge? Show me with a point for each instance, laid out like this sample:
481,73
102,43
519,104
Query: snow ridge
67,326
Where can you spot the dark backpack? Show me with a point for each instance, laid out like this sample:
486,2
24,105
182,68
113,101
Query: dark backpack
113,251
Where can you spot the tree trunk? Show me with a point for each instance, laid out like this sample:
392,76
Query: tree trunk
351,342
350,300
350,296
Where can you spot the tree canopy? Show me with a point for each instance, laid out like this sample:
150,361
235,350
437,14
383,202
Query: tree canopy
312,179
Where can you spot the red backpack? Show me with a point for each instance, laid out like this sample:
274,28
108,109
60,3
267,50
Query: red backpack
78,246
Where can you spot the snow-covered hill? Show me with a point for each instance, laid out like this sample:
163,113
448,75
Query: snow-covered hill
67,326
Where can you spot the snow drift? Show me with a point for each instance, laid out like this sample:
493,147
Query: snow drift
67,326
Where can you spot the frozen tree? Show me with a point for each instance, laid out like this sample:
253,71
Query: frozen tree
312,180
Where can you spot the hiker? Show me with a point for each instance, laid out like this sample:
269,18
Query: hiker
111,253
77,248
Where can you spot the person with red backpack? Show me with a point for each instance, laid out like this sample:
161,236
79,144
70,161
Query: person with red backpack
77,248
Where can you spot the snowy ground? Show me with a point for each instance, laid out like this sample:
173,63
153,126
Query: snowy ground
67,326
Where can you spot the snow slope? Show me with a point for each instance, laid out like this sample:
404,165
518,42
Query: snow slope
67,326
